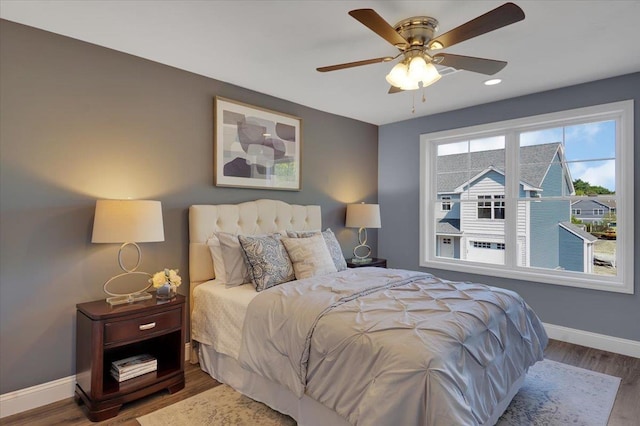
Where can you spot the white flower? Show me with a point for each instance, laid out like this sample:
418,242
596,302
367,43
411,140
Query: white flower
166,276
174,278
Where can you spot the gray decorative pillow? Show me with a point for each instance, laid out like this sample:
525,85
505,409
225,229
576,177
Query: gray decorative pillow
334,249
268,261
332,244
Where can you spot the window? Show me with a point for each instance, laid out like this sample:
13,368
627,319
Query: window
488,209
446,203
446,241
484,207
516,182
481,244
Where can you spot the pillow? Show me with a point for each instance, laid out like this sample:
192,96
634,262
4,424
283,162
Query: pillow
216,256
235,268
332,245
310,256
334,249
269,264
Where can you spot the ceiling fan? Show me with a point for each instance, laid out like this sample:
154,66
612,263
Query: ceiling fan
414,38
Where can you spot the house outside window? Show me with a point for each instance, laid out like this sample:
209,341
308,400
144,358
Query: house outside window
512,185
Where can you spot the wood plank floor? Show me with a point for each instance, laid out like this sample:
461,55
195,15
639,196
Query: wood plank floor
626,411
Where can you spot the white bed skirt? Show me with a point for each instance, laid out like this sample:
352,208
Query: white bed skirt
306,411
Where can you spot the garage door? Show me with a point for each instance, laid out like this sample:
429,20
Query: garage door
486,252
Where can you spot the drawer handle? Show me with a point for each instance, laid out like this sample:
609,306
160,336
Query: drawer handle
147,326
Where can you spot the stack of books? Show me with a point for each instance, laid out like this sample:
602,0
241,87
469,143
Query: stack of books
134,366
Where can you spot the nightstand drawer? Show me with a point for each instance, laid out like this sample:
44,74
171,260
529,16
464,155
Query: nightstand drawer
120,331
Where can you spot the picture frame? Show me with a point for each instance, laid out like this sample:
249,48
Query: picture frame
256,147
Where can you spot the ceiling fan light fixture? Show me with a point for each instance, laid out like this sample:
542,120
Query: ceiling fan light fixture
408,74
398,75
430,75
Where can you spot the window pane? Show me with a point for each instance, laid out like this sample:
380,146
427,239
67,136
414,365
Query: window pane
593,177
550,238
595,140
447,229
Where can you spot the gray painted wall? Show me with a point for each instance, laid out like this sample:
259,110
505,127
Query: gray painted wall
398,194
81,122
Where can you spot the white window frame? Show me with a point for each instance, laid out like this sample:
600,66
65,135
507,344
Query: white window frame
446,202
621,112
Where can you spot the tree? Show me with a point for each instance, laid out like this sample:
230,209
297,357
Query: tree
585,188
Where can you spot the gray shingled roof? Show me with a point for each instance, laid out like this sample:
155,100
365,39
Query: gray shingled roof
448,226
579,232
454,170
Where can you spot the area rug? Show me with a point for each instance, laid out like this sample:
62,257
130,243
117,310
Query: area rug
553,394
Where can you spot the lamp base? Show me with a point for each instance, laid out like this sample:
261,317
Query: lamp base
361,260
129,298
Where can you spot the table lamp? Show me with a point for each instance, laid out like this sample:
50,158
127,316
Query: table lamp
128,222
362,216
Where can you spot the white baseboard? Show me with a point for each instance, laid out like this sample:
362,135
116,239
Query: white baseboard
594,340
46,393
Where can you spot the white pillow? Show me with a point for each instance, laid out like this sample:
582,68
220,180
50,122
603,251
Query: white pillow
216,256
310,256
235,269
332,245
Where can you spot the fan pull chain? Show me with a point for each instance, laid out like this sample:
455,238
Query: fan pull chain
423,95
413,101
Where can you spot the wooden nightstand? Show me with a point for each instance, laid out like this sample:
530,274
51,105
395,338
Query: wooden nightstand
106,333
380,263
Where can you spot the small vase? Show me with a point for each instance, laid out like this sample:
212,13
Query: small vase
166,292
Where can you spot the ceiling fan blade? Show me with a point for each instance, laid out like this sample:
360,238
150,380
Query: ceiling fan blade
354,64
469,63
499,17
394,89
373,21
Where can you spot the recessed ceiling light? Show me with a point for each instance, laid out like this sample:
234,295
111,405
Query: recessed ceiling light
492,82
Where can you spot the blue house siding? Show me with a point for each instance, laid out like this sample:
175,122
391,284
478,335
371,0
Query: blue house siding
545,217
454,213
545,242
587,207
554,181
571,251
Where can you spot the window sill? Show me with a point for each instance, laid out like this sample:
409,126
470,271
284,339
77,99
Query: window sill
563,278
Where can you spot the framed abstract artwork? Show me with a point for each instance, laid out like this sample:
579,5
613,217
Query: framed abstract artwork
256,147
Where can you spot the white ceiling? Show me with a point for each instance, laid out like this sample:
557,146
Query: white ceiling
274,47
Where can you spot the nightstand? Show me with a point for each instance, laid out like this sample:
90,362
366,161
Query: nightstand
380,263
106,333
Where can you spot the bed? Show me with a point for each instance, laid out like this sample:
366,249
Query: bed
361,346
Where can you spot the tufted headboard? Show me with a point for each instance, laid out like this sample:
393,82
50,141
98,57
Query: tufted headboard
249,218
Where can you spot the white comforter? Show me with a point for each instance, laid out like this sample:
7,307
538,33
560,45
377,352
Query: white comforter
384,347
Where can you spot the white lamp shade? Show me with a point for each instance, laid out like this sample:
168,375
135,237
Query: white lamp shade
363,216
127,221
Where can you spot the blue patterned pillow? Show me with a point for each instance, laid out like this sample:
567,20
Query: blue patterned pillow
268,261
